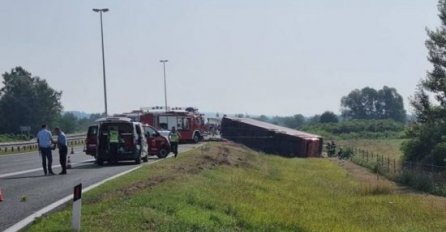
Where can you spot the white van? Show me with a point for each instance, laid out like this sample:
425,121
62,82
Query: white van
130,144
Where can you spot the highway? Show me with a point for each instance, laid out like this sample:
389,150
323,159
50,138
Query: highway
26,190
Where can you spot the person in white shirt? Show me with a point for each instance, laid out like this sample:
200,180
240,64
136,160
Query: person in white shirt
45,141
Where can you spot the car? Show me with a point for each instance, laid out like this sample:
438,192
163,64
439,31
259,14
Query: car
159,144
128,143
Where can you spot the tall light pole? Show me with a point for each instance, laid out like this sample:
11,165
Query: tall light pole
103,57
165,87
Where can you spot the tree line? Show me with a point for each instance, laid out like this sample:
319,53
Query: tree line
365,113
27,102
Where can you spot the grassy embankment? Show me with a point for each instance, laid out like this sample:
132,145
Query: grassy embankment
225,187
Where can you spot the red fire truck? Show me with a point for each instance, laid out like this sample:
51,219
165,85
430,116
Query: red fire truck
188,121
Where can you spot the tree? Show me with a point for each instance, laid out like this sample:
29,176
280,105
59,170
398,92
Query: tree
68,122
294,122
391,105
369,103
428,132
263,118
27,101
328,117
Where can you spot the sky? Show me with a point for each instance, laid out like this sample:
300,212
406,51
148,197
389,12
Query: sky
273,57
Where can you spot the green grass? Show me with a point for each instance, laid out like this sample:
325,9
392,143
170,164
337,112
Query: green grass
225,187
13,138
388,147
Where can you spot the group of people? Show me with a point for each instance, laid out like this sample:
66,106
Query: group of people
331,149
47,144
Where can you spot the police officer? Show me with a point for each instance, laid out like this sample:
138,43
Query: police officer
174,138
113,142
63,149
45,140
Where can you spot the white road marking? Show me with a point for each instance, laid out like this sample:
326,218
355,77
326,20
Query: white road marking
21,224
83,163
26,221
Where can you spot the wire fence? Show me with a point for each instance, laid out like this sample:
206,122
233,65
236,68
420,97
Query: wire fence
397,169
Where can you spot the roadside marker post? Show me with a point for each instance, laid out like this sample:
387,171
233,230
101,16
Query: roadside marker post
77,203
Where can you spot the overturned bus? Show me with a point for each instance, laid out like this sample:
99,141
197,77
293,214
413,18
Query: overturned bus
271,138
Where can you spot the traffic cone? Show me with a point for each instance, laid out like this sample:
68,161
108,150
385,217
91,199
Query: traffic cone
68,162
72,150
1,195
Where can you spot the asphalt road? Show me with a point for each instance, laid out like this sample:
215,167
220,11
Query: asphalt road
21,176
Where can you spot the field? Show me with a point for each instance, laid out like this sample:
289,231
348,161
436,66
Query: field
388,147
226,187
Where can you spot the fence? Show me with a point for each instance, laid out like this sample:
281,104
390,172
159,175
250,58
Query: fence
16,147
378,163
406,172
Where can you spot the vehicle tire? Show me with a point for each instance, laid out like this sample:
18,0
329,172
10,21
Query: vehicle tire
145,158
163,153
100,162
196,138
138,159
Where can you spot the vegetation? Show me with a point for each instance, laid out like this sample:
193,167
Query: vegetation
355,129
70,123
386,147
428,133
296,121
328,117
227,187
13,137
27,101
369,103
384,156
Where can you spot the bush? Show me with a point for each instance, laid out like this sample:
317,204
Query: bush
358,129
418,181
427,143
345,153
13,137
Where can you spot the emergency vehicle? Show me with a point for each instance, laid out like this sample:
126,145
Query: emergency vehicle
130,141
158,144
187,120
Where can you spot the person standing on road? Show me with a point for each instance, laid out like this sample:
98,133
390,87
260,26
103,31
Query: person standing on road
174,138
63,149
45,140
113,142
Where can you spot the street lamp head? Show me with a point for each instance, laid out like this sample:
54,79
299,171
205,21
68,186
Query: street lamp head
100,10
163,61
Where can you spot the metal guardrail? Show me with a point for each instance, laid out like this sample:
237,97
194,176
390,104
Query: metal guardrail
13,147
